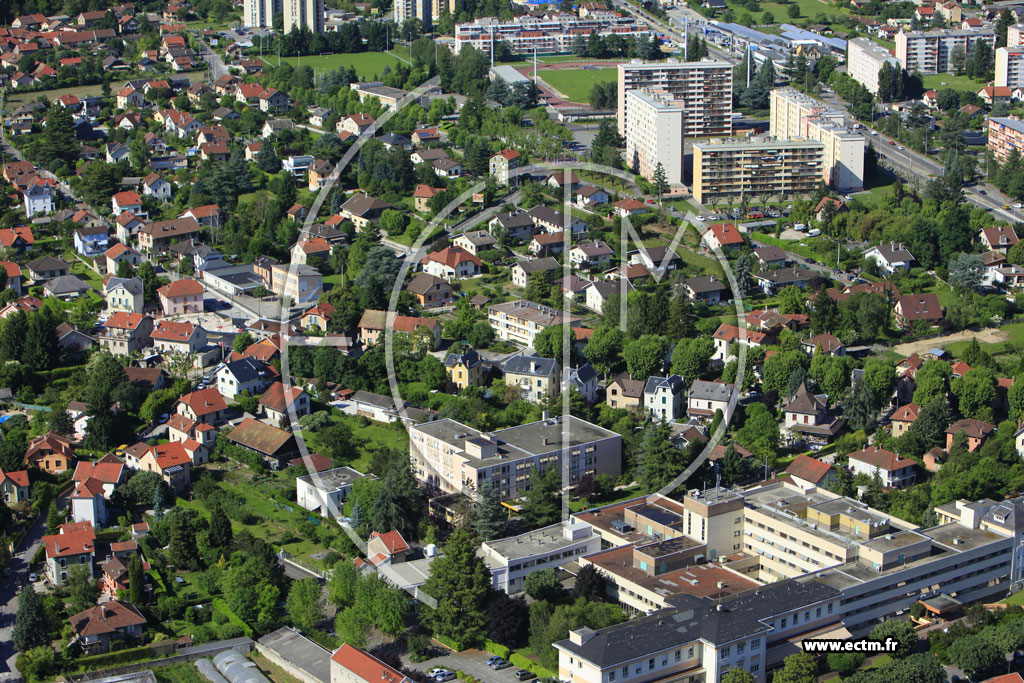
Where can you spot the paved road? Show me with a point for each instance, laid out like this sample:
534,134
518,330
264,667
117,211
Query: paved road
472,662
9,587
217,66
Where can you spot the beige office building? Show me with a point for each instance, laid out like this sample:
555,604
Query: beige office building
301,14
1010,67
796,116
864,59
654,134
702,89
726,170
931,52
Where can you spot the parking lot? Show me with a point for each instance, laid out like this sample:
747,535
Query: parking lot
472,662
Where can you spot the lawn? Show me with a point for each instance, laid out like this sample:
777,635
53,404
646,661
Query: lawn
1015,599
575,84
940,81
14,98
367,64
809,9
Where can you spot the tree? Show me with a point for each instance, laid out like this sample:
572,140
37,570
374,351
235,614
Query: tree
182,550
305,604
791,299
136,581
760,432
901,631
604,350
353,627
242,342
797,668
541,507
508,620
966,272
974,654
691,357
737,675
793,11
341,587
977,394
82,589
220,528
490,518
880,379
548,342
590,585
659,461
31,625
845,663
543,585
645,356
458,585
859,409
660,181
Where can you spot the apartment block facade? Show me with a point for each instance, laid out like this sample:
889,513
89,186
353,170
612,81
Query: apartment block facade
260,13
727,170
456,458
702,89
864,59
654,134
546,36
795,115
1005,134
521,321
931,52
308,14
1010,67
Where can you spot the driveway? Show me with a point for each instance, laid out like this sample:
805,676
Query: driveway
472,662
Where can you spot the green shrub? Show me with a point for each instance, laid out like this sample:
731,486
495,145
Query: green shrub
497,649
448,642
524,663
222,607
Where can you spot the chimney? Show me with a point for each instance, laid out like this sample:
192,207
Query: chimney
533,366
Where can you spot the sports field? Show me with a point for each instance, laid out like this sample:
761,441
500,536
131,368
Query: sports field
575,84
367,64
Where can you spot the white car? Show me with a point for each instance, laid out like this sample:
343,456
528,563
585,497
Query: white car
700,218
1018,205
901,147
32,577
874,132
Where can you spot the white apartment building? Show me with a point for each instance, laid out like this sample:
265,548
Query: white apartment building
729,169
864,59
654,134
414,9
931,52
702,89
512,559
457,458
546,36
317,492
798,116
1015,35
303,14
260,13
1010,67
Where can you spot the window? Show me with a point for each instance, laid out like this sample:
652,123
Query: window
755,643
740,647
625,672
817,613
611,677
724,654
650,664
689,652
796,618
782,624
679,656
755,667
830,608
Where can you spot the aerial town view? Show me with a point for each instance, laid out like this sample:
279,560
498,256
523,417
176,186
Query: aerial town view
503,341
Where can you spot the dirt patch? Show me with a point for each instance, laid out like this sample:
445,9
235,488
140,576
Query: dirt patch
989,335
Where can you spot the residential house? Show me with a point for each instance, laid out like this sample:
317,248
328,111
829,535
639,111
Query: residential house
475,241
91,241
808,419
172,461
46,268
771,257
912,308
588,196
278,402
318,174
546,243
828,343
903,417
107,626
73,545
583,379
119,253
299,283
50,452
656,259
999,238
14,487
244,375
808,472
894,470
890,257
521,321
704,399
326,492
625,392
275,446
13,272
181,297
630,207
451,262
503,165
976,432
126,333
772,281
430,291
723,236
591,254
447,168
65,287
317,318
197,438
536,377
422,196
597,293
37,199
361,209
156,238
171,337
465,369
728,335
355,124
522,271
204,405
706,288
88,503
516,226
553,221
665,397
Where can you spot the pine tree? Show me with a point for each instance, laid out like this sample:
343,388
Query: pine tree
53,518
158,503
458,584
31,625
660,181
57,145
490,519
356,518
220,528
266,158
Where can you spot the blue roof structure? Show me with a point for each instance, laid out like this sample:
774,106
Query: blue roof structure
790,32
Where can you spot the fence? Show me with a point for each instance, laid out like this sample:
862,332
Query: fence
287,558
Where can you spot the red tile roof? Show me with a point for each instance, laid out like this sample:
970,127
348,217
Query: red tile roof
452,257
108,472
204,401
881,458
168,330
19,478
907,413
809,469
182,287
726,233
72,539
125,321
365,666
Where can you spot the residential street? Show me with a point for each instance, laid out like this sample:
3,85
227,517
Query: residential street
10,586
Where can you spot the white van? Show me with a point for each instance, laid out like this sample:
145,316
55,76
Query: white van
814,233
799,227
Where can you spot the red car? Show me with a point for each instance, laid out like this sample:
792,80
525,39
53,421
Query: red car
891,142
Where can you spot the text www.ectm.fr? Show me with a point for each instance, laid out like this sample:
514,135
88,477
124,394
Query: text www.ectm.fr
823,645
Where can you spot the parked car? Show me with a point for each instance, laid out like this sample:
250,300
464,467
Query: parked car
32,578
444,676
498,666
525,675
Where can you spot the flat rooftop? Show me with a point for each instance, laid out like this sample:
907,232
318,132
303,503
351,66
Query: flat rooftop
700,580
537,542
299,651
895,541
602,518
333,480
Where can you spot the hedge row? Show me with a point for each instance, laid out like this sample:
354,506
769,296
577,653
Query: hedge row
112,659
524,663
222,607
448,642
497,649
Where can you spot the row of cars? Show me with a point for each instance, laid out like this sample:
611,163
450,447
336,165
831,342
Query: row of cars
497,663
